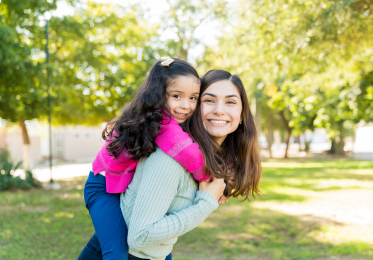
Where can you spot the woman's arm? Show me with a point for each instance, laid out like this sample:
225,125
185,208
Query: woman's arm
149,223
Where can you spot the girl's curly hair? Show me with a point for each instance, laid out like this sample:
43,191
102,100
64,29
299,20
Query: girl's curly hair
138,125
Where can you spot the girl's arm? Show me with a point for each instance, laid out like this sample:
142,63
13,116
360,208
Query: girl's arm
150,224
180,146
114,166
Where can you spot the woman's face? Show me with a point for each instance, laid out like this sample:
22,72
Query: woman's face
221,108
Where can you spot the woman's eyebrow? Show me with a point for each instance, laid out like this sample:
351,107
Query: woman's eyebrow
231,96
209,94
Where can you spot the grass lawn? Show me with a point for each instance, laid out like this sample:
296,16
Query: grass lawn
308,210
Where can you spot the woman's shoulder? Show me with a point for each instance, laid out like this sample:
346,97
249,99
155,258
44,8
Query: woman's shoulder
161,159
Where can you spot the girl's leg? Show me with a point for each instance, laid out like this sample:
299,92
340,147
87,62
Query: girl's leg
92,251
107,218
169,257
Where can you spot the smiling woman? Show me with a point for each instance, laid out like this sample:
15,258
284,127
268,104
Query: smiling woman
225,113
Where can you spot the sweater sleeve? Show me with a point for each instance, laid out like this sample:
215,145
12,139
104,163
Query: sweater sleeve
180,146
150,224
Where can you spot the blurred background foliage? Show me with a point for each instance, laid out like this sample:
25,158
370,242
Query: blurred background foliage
305,63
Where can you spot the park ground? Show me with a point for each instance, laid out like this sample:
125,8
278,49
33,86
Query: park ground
309,209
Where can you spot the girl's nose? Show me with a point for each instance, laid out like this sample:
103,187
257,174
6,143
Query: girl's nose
185,104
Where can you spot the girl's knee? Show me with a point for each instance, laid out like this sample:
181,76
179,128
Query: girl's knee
115,256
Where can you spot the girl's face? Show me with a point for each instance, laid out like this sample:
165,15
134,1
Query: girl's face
221,108
182,97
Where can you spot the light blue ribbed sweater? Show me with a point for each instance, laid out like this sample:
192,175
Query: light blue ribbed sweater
161,203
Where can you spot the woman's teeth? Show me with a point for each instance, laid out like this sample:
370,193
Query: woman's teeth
218,122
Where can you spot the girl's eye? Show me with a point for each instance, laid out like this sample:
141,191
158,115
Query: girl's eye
176,96
193,98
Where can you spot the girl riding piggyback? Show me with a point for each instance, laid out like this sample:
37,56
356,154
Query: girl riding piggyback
166,99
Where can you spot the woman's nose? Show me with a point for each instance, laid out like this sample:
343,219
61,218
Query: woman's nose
219,109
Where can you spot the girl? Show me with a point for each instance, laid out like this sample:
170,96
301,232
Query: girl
167,98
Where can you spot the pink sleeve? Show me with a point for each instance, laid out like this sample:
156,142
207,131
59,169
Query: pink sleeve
116,165
180,146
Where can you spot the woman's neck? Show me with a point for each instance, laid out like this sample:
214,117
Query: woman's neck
219,139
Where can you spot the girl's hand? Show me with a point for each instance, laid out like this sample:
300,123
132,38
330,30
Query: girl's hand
215,187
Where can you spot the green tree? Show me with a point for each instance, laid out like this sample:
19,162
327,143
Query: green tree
21,97
308,51
99,57
183,19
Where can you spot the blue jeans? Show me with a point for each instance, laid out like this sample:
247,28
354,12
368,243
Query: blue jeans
110,240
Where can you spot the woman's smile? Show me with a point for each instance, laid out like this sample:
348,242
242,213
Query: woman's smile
217,122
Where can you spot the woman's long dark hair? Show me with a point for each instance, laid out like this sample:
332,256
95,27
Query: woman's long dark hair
238,156
139,123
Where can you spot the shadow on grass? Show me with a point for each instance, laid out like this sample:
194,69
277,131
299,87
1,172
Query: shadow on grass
238,231
44,224
314,175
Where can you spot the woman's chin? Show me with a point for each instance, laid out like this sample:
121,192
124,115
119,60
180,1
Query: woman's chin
218,136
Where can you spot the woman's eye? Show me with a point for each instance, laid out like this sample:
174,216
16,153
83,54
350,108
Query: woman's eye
207,100
231,102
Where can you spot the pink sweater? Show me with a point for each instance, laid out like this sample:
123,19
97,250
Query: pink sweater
172,140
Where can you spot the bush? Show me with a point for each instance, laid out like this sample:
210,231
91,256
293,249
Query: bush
7,180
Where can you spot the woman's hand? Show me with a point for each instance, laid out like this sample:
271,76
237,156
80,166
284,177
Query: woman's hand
223,199
230,186
215,187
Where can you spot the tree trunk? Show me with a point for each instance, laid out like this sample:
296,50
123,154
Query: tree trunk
288,134
269,136
298,140
288,131
26,146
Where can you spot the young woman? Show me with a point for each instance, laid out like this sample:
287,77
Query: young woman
163,202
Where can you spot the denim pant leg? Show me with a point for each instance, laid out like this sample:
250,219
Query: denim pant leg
107,218
92,251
